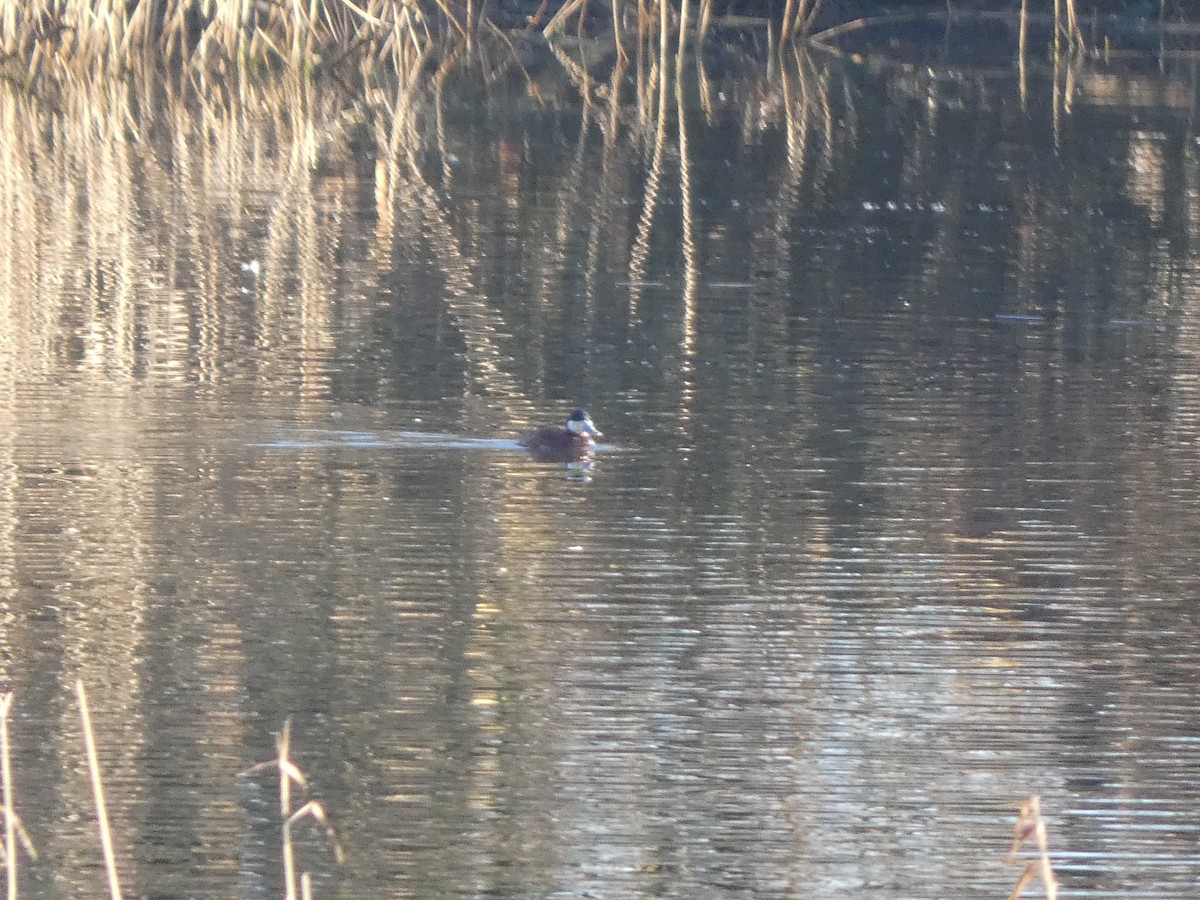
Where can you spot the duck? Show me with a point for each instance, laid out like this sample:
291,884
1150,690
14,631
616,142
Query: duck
573,440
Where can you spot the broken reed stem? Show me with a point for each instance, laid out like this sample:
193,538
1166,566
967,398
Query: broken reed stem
10,820
89,738
315,811
289,773
1030,824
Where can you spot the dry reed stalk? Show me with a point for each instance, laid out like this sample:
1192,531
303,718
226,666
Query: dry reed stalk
683,29
639,67
622,56
344,22
225,24
410,46
1074,32
138,30
559,19
664,43
790,16
615,82
1022,46
704,88
444,7
310,29
10,819
706,8
89,738
17,23
10,813
13,828
806,17
289,774
516,57
577,74
310,810
35,60
175,32
1031,825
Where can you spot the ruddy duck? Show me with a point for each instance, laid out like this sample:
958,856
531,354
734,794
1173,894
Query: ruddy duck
574,440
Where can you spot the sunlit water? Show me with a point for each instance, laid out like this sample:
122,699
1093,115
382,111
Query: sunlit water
894,523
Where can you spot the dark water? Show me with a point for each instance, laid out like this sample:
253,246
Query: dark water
894,523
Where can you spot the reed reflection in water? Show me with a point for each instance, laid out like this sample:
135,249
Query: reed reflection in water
896,529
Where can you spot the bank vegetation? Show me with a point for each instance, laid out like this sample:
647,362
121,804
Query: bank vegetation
198,41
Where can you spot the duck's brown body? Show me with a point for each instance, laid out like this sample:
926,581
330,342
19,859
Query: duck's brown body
575,440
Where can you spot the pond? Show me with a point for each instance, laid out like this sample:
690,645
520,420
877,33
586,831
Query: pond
893,523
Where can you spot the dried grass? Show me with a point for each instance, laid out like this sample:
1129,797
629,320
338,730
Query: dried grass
81,40
1030,828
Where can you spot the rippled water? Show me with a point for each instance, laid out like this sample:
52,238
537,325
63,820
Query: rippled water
893,526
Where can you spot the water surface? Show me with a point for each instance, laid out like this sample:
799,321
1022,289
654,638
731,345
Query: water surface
894,524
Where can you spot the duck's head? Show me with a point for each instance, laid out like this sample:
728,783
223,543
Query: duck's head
579,422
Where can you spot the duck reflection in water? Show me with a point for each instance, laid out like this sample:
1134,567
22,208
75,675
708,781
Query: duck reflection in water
562,443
